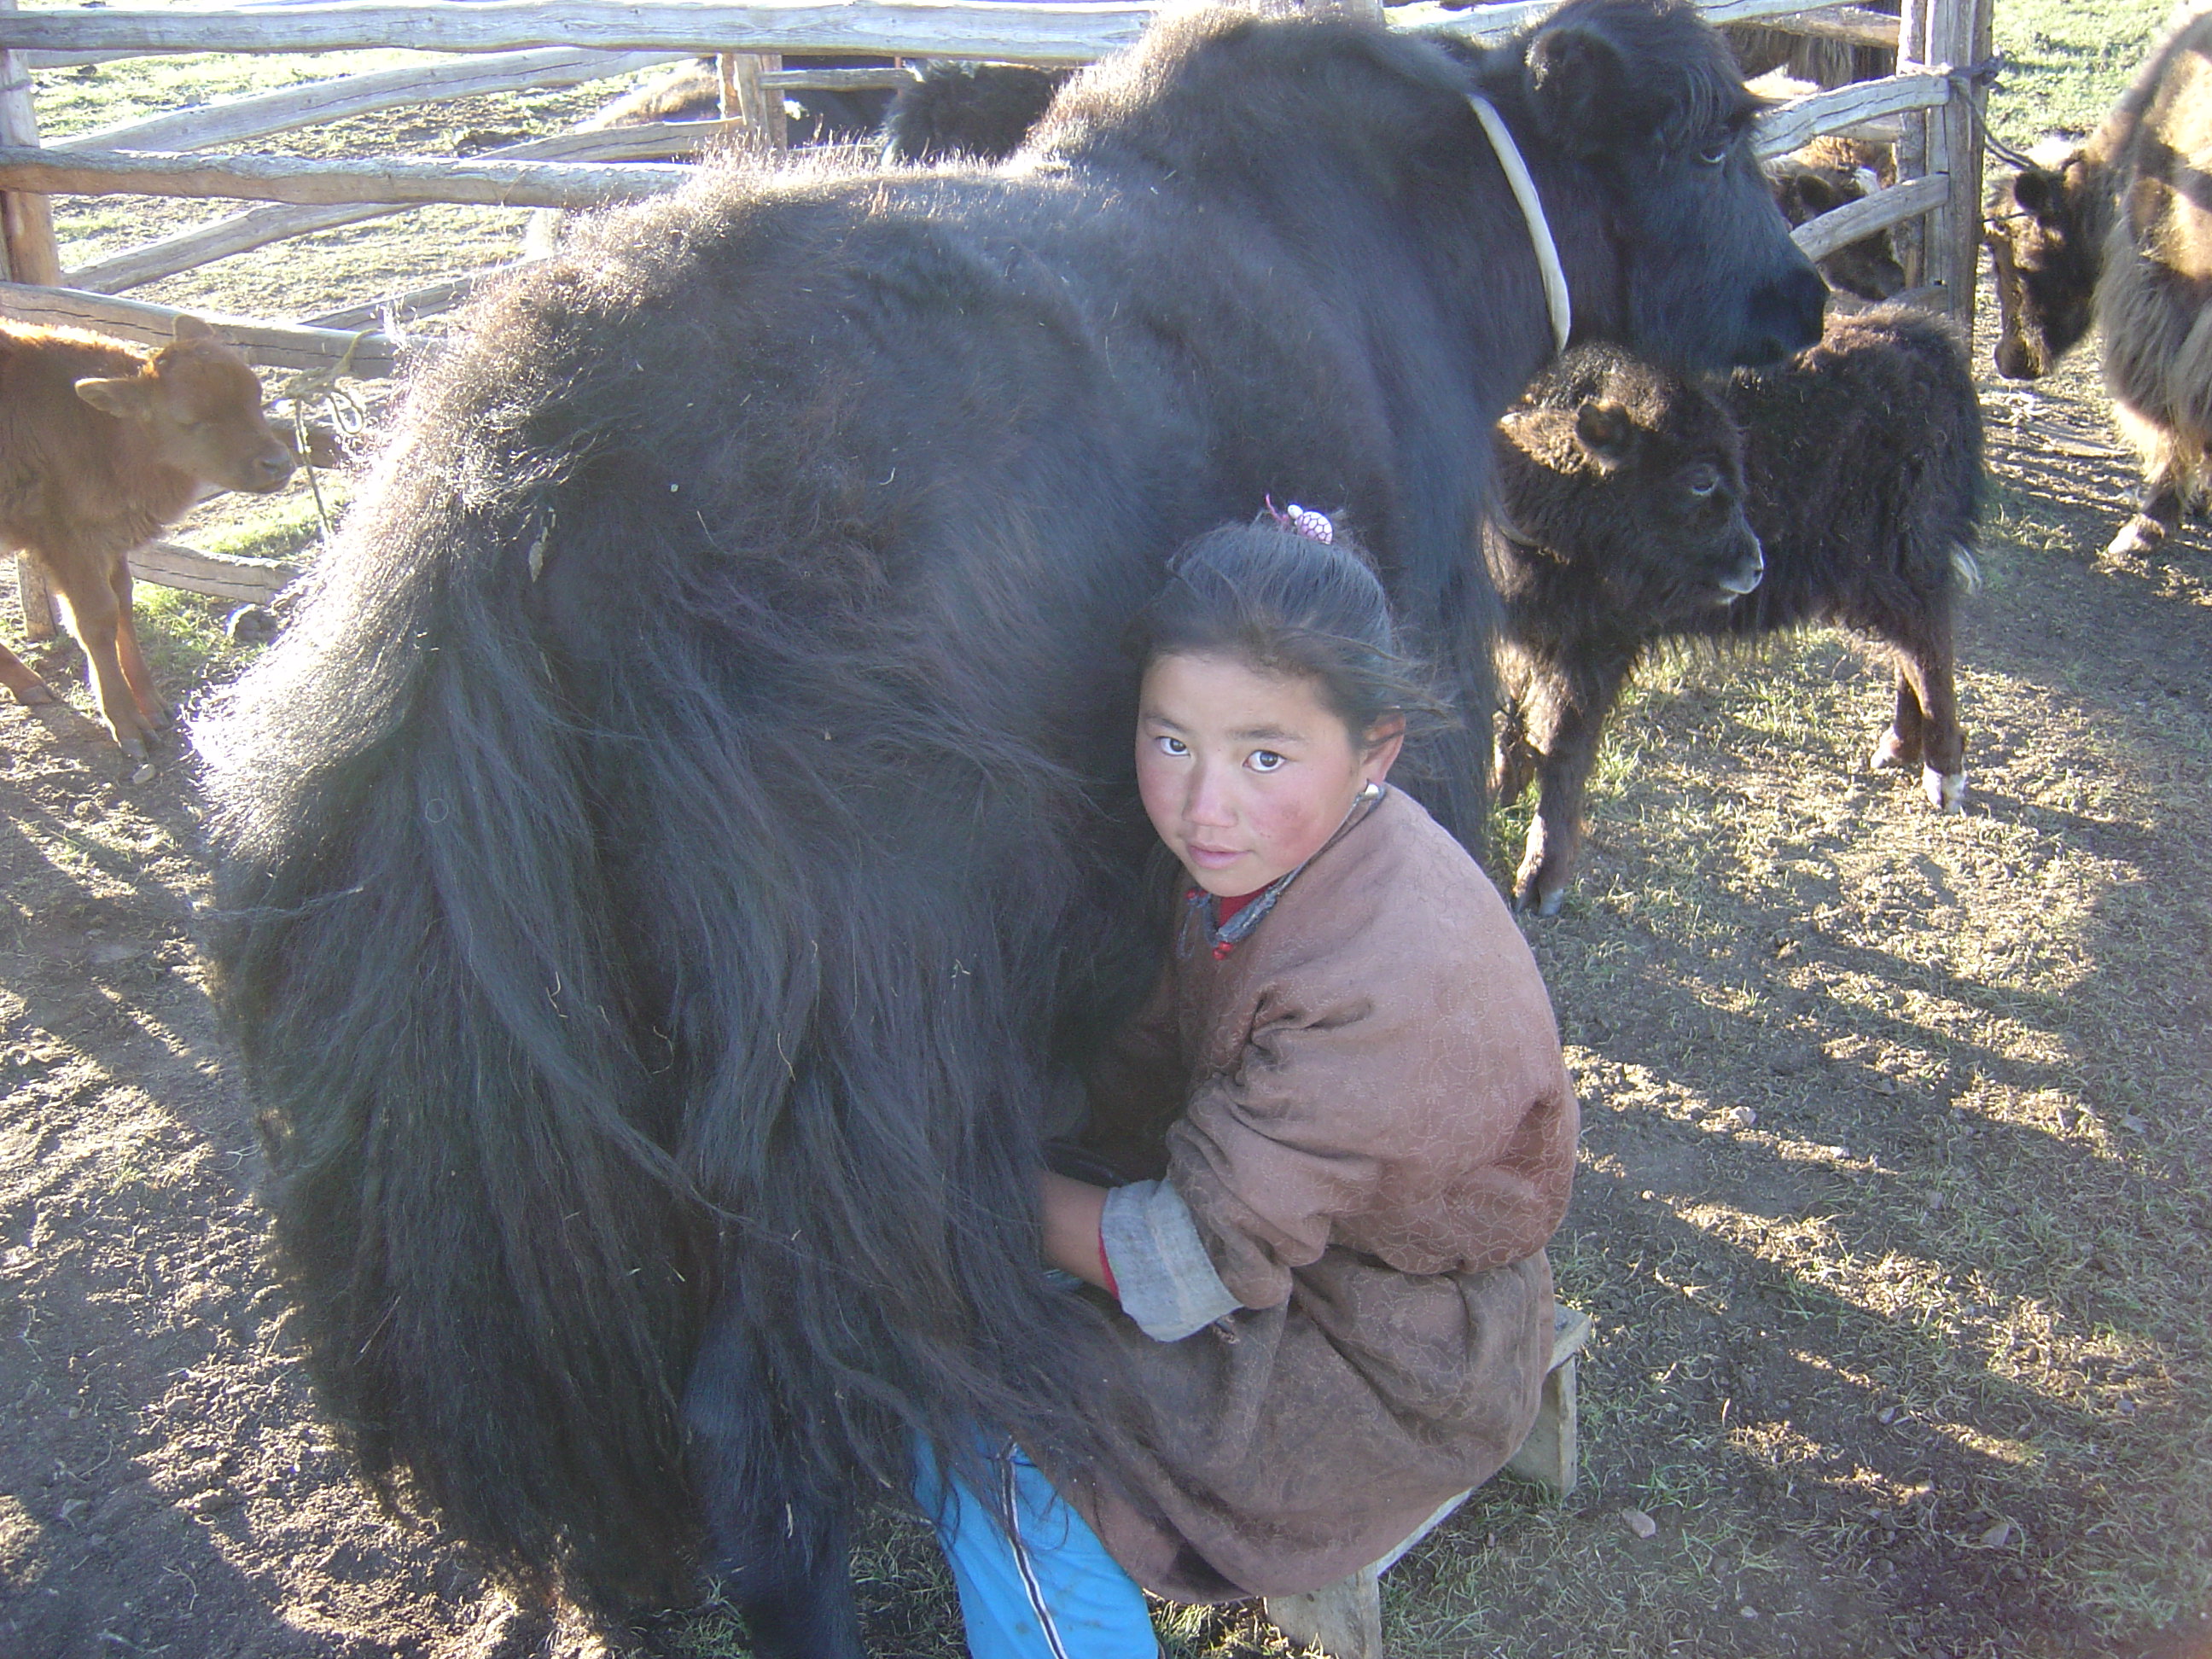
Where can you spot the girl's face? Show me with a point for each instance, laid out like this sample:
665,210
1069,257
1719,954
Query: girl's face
1246,774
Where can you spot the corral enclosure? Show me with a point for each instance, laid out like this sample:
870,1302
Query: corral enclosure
1928,112
1893,1208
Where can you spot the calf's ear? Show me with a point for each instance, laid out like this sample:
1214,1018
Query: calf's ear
1579,84
127,397
1604,429
190,327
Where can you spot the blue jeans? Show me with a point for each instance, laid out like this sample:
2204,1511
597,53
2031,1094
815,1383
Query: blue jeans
1048,1591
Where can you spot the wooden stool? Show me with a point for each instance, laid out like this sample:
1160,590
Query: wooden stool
1345,1619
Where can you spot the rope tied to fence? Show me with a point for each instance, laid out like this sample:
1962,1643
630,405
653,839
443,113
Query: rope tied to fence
1982,77
348,418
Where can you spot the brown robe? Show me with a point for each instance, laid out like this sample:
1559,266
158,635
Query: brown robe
1364,1107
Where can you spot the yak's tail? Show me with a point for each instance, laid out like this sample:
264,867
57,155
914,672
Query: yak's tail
610,932
475,1204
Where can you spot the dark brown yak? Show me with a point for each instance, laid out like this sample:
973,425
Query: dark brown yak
1635,509
675,858
2118,232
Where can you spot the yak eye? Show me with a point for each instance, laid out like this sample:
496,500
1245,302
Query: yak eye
1714,151
1702,481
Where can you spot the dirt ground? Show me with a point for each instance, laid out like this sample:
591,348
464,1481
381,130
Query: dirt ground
1893,1208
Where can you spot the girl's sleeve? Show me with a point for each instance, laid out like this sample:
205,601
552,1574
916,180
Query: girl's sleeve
1409,1117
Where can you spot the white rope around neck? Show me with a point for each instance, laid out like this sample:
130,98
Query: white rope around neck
1556,300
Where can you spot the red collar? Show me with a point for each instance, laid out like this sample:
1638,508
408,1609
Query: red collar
1225,908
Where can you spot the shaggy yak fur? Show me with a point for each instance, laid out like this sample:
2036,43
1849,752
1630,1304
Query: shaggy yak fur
673,860
2118,231
1833,172
100,445
980,110
1635,508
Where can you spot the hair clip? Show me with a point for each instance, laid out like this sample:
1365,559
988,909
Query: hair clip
1301,521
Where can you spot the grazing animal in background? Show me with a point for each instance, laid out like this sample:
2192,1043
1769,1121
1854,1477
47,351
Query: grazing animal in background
692,92
2118,231
1637,509
100,446
983,111
1833,172
1762,51
670,867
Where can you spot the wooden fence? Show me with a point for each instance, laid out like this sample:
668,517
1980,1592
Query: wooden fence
1929,109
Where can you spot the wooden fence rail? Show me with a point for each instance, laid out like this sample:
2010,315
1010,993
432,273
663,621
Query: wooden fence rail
368,357
236,120
290,178
1042,32
186,250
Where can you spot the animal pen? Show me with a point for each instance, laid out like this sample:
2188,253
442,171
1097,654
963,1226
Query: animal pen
1929,110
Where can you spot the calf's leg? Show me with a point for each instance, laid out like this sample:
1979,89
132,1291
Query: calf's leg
1927,728
21,678
1567,719
136,674
96,618
781,1554
1512,759
1900,745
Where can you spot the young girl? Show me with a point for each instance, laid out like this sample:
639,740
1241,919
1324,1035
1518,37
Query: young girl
1346,1129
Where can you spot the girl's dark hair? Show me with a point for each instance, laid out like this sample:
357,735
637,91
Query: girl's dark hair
1286,603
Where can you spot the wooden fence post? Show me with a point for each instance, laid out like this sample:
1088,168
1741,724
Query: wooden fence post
1976,43
41,619
27,221
1946,143
1912,144
744,98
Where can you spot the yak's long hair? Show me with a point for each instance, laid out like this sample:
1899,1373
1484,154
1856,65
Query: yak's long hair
686,842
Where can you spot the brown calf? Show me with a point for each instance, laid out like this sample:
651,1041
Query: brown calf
101,448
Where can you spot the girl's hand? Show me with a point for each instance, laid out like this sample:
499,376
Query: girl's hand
1071,1214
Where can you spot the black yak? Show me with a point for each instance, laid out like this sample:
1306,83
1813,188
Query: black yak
671,861
2118,231
1635,507
980,110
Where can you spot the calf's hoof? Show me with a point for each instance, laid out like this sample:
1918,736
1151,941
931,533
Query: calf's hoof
1540,888
36,694
1946,791
2140,534
1890,750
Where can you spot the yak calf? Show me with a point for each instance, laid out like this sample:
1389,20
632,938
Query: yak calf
1635,508
101,448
